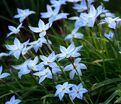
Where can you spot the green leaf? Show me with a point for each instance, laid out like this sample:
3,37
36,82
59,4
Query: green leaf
106,82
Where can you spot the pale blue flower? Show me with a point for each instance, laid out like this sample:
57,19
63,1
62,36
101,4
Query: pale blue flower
62,89
48,60
33,64
43,74
55,68
3,75
74,34
89,2
26,49
57,3
107,13
88,19
23,68
76,69
109,36
112,22
38,43
17,48
77,92
53,15
13,101
71,51
50,12
14,30
81,7
41,29
23,14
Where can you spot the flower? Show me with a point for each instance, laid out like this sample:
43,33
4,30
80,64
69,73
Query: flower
71,51
109,36
41,28
17,48
13,101
81,7
48,60
77,91
14,30
3,75
53,14
74,34
75,68
57,3
42,74
38,43
62,89
23,68
88,19
23,14
111,21
50,12
33,64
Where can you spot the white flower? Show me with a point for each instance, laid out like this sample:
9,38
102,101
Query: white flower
53,15
23,68
73,35
71,51
38,43
42,27
33,64
14,30
42,74
81,7
111,21
13,101
57,3
23,14
3,75
48,60
109,36
77,91
76,69
17,48
62,89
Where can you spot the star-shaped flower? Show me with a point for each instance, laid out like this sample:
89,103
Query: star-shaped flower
74,34
13,101
109,36
77,92
63,89
23,14
48,60
14,30
17,48
42,28
53,15
112,22
81,7
71,51
76,68
23,68
43,74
